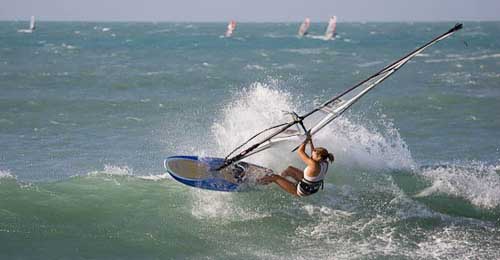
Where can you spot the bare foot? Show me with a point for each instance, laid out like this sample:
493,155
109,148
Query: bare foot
266,179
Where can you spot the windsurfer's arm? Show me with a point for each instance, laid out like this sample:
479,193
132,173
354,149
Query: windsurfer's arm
309,140
303,156
311,144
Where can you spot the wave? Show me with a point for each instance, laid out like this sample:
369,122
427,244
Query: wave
475,182
456,57
381,220
467,78
253,67
369,64
368,217
309,51
454,78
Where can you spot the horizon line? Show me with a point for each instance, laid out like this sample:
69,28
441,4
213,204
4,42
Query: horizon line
247,21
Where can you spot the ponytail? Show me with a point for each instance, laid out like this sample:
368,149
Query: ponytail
331,158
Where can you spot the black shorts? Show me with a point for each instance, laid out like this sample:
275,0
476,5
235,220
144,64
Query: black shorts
306,188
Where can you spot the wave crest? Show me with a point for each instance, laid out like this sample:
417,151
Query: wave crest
476,182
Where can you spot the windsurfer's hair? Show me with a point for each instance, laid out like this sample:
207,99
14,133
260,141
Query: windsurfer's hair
324,154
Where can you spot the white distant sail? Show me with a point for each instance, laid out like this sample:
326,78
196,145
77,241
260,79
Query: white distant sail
304,27
32,23
230,28
32,26
330,30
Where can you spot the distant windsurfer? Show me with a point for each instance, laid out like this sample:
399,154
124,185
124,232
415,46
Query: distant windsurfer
230,28
330,29
308,181
304,27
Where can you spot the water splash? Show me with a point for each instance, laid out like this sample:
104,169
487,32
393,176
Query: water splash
251,110
262,105
358,146
117,170
222,207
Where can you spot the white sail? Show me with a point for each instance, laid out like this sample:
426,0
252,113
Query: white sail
230,28
304,27
32,26
331,109
32,23
330,29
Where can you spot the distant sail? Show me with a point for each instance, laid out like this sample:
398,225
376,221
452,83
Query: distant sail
32,26
304,27
32,23
230,28
330,30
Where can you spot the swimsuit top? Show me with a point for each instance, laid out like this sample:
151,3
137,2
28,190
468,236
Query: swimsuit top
322,172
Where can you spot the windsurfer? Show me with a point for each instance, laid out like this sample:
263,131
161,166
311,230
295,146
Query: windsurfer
308,181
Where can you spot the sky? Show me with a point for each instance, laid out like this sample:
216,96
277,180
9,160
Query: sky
251,10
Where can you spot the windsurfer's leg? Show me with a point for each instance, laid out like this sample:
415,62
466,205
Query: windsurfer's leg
293,172
286,185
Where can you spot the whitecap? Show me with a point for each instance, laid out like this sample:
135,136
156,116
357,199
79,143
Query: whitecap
131,118
475,181
369,64
5,174
158,177
287,66
457,57
114,170
308,51
253,67
68,46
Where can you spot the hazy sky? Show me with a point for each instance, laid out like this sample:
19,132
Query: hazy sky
251,10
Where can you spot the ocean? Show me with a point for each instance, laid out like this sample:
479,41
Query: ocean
89,110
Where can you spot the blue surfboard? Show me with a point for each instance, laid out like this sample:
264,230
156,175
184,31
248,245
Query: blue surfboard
201,172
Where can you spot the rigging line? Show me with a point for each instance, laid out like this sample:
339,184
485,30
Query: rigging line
242,154
251,138
297,120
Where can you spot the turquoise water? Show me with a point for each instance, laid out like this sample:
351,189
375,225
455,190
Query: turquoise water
88,111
